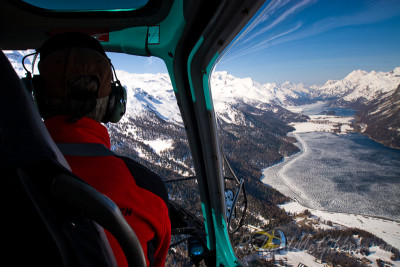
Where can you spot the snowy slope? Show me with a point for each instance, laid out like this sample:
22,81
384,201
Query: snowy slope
227,88
235,96
15,58
380,119
151,99
360,85
288,93
152,93
229,92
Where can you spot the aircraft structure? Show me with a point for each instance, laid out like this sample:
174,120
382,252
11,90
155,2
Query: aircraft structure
189,36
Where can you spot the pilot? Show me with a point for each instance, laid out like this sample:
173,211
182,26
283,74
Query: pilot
75,93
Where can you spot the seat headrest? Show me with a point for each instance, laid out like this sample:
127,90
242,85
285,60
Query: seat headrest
24,138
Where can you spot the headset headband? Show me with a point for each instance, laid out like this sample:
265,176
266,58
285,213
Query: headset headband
70,39
116,105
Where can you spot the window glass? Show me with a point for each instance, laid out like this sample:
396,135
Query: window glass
305,103
151,132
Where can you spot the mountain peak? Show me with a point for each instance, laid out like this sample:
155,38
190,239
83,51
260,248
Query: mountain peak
356,74
153,92
396,71
360,84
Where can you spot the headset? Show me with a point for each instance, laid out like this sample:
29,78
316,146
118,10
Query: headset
117,99
116,106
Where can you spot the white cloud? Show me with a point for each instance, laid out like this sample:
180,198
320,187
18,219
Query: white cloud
277,23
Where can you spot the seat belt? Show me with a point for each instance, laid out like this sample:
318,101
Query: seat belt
85,150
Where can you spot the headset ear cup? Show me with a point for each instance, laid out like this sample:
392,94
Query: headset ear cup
116,106
27,82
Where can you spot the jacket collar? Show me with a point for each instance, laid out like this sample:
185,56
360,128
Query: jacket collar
84,130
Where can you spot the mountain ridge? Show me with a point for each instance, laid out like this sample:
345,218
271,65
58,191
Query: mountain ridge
358,85
252,129
361,85
153,94
380,119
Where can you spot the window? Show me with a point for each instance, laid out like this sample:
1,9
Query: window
304,102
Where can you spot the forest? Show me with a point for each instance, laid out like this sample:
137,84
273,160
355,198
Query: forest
379,119
258,142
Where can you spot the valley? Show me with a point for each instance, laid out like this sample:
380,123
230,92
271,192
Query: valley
336,179
254,125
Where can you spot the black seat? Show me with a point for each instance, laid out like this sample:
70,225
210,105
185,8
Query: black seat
50,217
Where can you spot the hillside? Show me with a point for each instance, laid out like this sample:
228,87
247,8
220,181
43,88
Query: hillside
253,125
380,119
153,128
358,87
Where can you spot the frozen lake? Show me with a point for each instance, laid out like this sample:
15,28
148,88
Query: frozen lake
342,173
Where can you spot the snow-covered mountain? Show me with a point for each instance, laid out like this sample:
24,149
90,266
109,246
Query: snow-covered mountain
359,86
289,93
253,127
152,93
380,119
239,100
152,105
15,57
231,94
228,88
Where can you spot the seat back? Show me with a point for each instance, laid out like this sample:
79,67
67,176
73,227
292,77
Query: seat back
49,214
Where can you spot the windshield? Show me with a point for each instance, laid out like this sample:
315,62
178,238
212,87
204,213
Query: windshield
307,105
151,132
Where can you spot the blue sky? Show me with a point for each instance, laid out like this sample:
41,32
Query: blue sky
307,41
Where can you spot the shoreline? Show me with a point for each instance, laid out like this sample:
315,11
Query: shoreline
383,227
386,229
377,141
297,194
289,188
297,182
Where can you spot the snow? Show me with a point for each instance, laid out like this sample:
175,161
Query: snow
227,113
388,230
325,123
159,145
378,253
312,127
140,152
294,258
346,128
289,258
154,93
228,89
362,84
262,219
309,109
15,58
150,93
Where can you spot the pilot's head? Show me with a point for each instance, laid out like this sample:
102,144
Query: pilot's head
75,77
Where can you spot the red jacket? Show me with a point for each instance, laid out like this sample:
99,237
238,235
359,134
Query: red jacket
142,198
